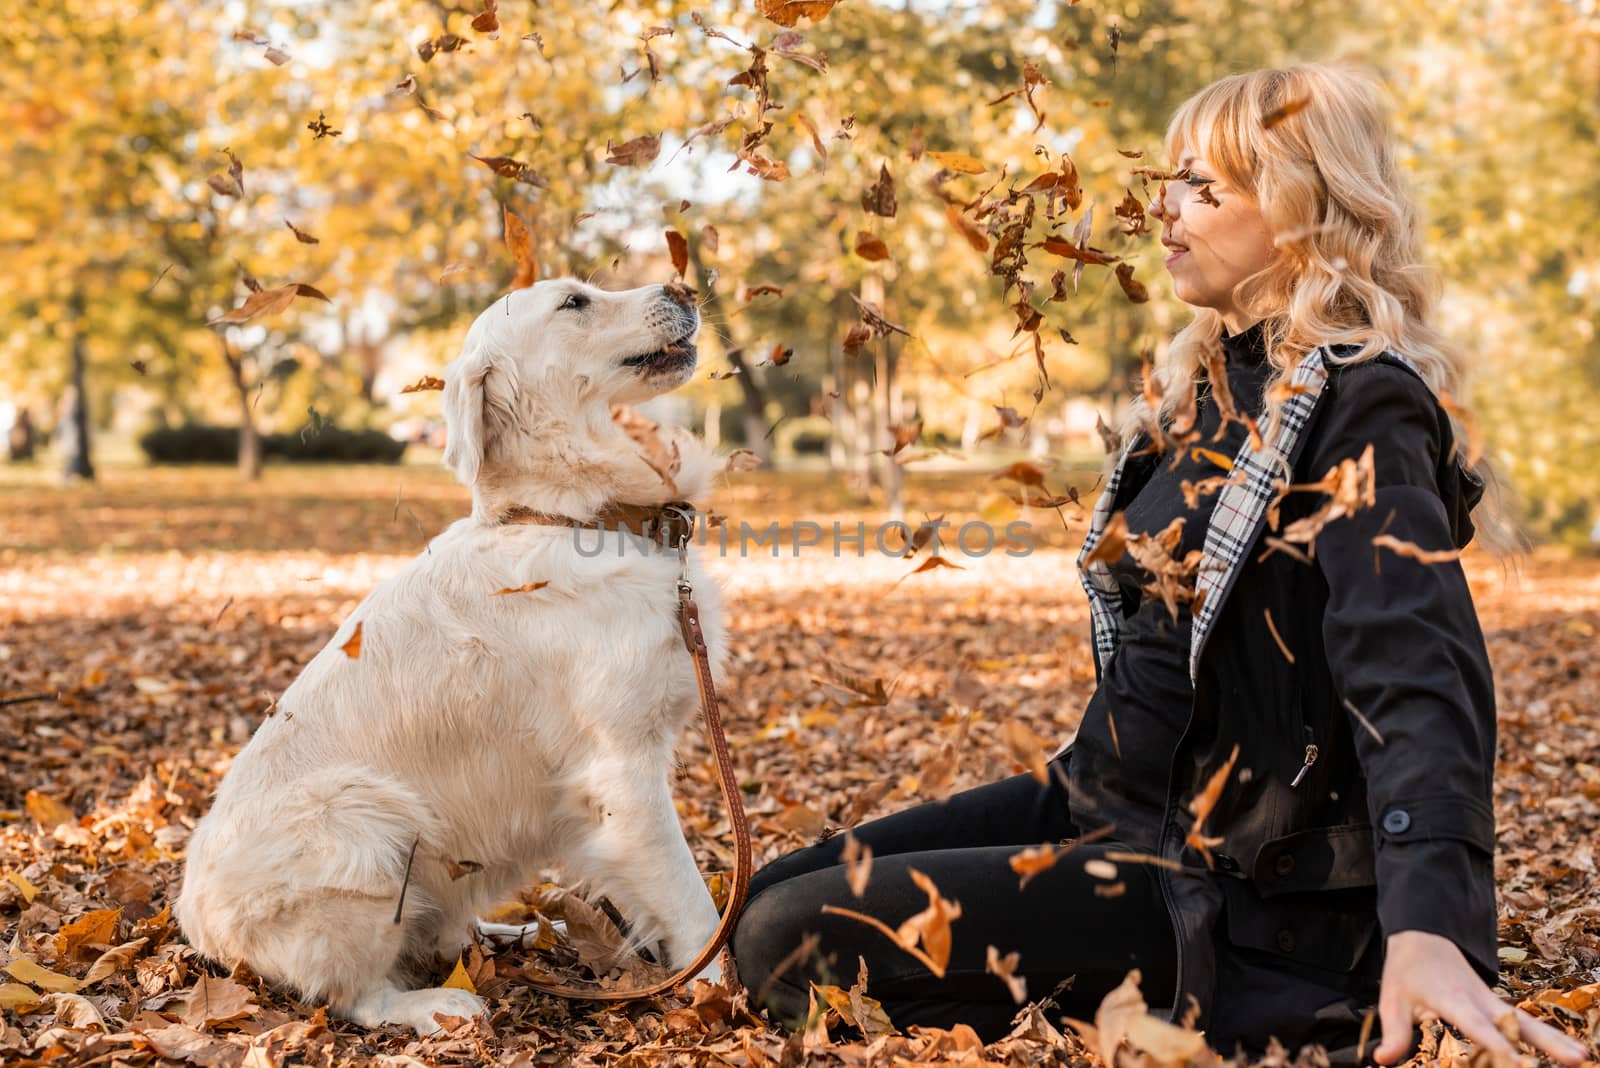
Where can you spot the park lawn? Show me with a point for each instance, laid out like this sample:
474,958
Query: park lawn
158,612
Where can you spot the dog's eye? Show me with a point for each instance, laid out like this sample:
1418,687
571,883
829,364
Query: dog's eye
574,302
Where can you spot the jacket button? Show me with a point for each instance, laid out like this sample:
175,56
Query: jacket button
1397,821
1226,863
1286,941
1284,865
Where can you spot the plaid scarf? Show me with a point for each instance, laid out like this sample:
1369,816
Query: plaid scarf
1235,524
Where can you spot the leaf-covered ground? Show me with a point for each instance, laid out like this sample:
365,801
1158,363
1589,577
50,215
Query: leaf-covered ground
146,623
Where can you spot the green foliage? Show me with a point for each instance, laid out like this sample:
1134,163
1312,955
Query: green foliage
118,117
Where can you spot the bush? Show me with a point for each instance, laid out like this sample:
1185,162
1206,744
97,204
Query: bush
335,445
196,444
192,444
804,435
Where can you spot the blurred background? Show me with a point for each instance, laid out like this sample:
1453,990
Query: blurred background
165,161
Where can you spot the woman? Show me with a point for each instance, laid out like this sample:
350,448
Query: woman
1336,692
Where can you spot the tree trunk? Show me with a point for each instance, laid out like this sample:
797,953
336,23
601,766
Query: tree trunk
249,438
75,436
754,408
889,476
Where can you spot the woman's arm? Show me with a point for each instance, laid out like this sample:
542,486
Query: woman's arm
1407,655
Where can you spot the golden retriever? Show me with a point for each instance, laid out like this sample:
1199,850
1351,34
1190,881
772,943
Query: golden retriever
513,731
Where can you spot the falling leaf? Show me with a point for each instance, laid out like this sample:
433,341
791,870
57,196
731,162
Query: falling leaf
1057,246
516,170
871,247
967,228
789,12
742,460
519,242
1406,548
857,860
1006,968
1025,747
1134,288
352,645
300,235
319,128
525,588
1283,111
424,384
880,198
487,21
678,249
956,161
268,302
633,153
459,869
1273,627
904,434
930,927
1202,804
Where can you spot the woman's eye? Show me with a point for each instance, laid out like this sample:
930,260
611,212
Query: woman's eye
1196,180
573,301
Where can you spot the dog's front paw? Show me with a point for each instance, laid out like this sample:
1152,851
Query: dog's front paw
415,1009
445,1002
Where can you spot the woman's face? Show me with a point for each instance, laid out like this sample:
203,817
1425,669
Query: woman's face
1213,246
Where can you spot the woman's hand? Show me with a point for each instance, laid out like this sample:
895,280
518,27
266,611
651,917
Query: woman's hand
1426,974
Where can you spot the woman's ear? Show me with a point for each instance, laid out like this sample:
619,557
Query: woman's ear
467,426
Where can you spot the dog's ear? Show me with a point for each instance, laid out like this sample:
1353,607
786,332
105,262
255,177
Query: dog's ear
478,394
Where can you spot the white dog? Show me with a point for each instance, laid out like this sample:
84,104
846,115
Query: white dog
513,731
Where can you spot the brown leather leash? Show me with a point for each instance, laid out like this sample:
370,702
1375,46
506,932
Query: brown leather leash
675,520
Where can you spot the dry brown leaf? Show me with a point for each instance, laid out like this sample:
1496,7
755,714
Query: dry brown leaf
213,1001
871,247
678,249
1006,968
426,383
528,587
1025,747
98,928
789,12
519,242
857,859
1202,804
959,162
352,645
46,811
634,153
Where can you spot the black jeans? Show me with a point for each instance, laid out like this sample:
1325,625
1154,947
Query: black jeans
1067,923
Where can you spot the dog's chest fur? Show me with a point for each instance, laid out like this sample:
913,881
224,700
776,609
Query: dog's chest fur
501,709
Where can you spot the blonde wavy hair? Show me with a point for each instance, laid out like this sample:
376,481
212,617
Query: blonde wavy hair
1349,268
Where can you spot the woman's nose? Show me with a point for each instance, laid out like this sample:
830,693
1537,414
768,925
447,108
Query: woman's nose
1158,206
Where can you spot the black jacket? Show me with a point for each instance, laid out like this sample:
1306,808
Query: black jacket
1391,826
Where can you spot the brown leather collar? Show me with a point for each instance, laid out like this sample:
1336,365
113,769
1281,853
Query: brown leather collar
671,523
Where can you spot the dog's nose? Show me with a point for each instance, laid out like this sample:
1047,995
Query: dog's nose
679,294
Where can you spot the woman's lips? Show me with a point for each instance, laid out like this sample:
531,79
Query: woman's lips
1170,260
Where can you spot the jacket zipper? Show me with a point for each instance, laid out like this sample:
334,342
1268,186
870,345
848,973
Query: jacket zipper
1311,758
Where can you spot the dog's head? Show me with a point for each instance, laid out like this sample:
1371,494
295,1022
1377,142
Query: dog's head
530,396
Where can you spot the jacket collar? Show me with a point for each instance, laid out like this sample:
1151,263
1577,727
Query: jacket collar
1237,520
